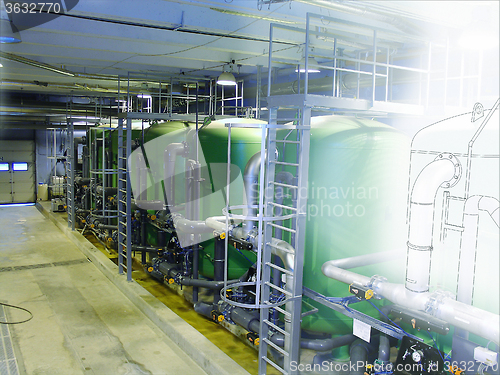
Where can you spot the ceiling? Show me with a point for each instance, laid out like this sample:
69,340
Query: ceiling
87,50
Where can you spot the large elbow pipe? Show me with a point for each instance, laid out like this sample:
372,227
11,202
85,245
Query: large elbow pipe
443,171
285,251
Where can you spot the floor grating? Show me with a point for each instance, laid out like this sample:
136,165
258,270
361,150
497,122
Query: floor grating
44,265
8,363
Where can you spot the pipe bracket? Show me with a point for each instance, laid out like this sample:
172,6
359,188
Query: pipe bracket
419,248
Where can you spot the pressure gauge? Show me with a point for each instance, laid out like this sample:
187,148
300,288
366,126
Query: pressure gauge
417,356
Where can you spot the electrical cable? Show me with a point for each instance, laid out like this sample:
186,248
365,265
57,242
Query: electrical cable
389,319
192,47
436,346
20,308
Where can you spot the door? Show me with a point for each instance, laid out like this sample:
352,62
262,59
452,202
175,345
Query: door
17,171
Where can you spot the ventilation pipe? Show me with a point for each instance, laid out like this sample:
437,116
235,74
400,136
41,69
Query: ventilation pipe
444,171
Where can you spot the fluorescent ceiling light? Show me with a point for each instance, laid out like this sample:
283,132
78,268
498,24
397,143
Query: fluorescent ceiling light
258,16
311,63
226,79
144,96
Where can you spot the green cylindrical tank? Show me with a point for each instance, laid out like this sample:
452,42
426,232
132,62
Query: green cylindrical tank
358,176
245,142
357,183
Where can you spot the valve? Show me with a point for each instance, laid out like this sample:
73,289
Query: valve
253,338
361,292
217,316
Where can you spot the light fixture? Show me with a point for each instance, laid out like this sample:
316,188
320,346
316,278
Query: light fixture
1,66
227,78
311,66
8,32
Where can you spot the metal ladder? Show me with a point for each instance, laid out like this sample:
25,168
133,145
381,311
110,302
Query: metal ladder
124,199
70,175
283,153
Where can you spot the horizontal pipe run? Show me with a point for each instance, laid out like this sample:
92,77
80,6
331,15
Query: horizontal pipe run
368,259
469,318
250,321
147,249
190,226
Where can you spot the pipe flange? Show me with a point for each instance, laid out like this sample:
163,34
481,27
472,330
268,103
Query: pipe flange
436,299
375,281
458,169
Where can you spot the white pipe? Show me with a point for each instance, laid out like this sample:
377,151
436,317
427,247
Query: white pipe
169,157
250,179
368,259
285,251
190,226
468,245
469,318
218,223
421,219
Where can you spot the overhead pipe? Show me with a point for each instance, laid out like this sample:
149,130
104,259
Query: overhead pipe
438,304
468,244
441,172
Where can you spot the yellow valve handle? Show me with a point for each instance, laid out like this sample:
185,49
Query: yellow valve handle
222,236
220,318
150,269
369,294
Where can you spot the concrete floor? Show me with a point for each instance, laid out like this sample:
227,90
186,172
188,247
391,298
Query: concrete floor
82,323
